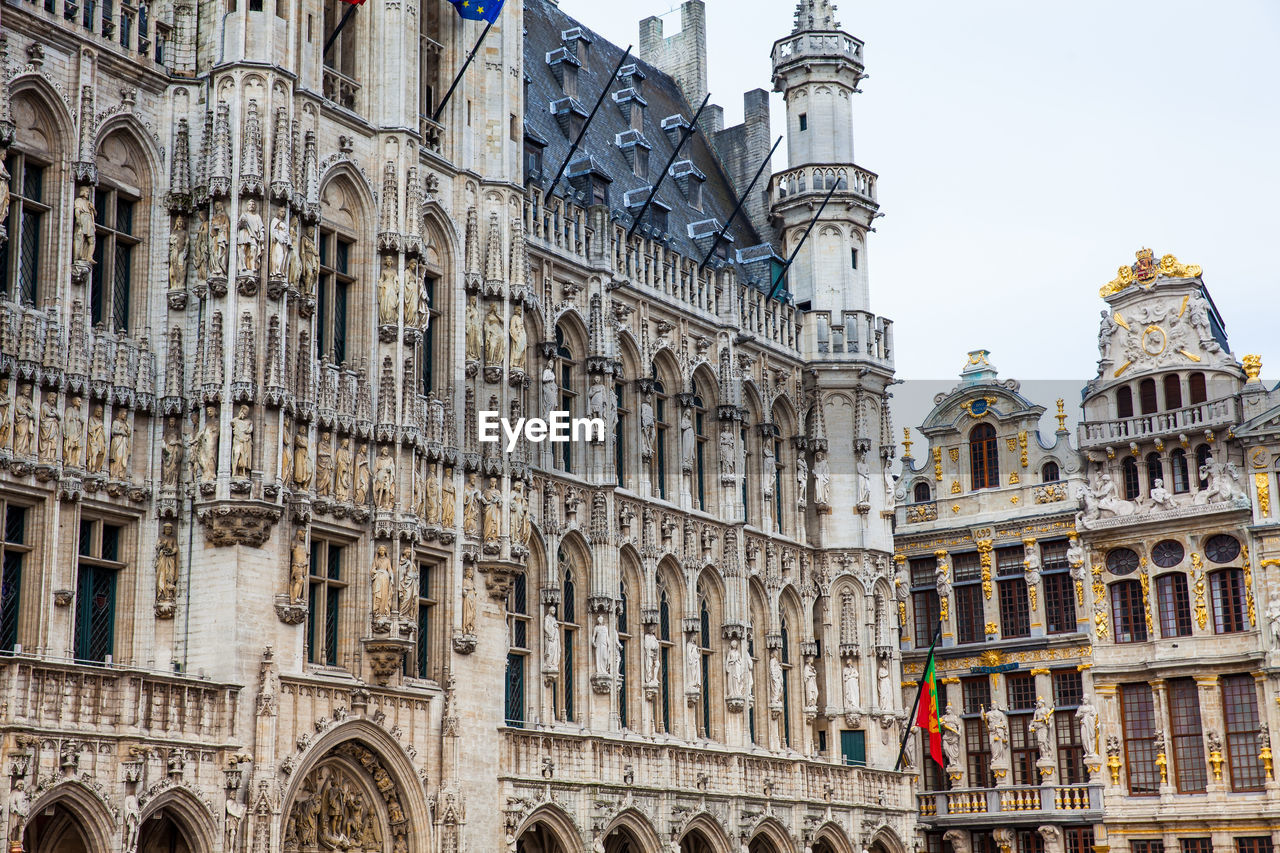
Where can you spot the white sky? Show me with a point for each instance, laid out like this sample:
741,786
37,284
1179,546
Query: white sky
1027,150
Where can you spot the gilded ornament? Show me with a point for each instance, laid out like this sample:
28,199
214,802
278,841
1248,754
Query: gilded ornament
954,453
984,555
906,442
978,408
992,629
1113,765
1248,586
1263,481
1190,355
1252,365
1258,458
1145,580
1145,270
955,487
937,464
1062,415
1163,763
1022,447
1197,586
1014,479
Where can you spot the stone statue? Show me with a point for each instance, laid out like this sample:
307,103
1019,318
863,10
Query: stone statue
960,840
884,689
734,672
73,434
310,260
469,600
6,417
219,240
97,442
519,339
852,690
199,248
279,245
413,291
324,466
166,565
132,821
1041,727
889,500
19,801
408,588
382,584
550,640
207,445
942,578
810,684
602,645
688,443
342,471
492,499
249,236
24,421
692,664
1223,482
550,392
520,526
802,480
433,495
388,292
951,728
650,648
728,456
84,238
821,479
302,470
471,507
775,679
299,566
50,428
178,254
1162,498
361,493
474,335
293,256
647,427
596,404
384,481
1105,330
1087,721
5,178
768,468
998,732
241,443
864,480
495,337
121,445
448,500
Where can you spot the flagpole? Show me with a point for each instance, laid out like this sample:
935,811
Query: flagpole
902,748
458,79
590,118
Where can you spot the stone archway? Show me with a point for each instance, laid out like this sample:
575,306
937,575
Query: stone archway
165,832
56,829
540,838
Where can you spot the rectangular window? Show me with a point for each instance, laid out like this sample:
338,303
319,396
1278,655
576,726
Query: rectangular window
1079,839
1021,698
1015,613
109,291
1030,841
13,552
21,256
518,650
1137,713
1229,613
1175,605
426,620
1053,556
969,615
1240,712
1068,690
429,335
853,747
1146,845
1196,845
1128,614
620,435
326,586
1254,844
925,604
332,295
804,121
976,695
1059,603
98,570
853,258
1187,736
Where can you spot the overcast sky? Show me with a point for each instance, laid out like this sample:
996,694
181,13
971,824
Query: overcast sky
1027,150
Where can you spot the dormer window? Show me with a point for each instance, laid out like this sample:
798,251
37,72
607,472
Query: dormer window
590,182
569,115
564,65
636,150
673,127
640,166
690,180
577,42
632,107
656,218
631,77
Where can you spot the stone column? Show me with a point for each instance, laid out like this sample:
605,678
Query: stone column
1212,723
1164,735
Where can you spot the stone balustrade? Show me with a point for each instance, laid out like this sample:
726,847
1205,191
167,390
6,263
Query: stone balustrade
340,89
810,45
557,224
1194,419
1081,802
124,27
818,180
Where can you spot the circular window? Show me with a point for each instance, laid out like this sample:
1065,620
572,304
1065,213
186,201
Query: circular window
1221,548
1122,561
1167,554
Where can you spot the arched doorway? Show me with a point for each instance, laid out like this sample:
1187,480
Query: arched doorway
540,838
55,829
164,832
822,845
760,844
695,842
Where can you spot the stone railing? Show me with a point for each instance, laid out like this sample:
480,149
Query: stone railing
812,44
819,179
557,224
432,132
340,89
921,512
861,335
768,318
636,764
650,264
125,26
1192,419
115,701
1080,802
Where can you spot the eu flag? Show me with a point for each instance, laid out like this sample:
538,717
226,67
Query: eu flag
479,10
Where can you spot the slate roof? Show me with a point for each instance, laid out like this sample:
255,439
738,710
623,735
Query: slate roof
544,25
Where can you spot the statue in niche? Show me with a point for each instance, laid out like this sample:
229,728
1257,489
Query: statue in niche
520,524
687,441
50,428
170,454
97,442
448,500
241,443
884,688
73,434
821,479
309,272
864,480
19,800
84,238
361,494
207,445
951,726
324,466
412,292
24,421
433,495
852,689
279,256
802,480
810,684
1087,721
495,337
471,507
492,511
166,565
199,248
692,664
519,339
408,589
651,647
178,254
5,177
775,679
468,599
6,416
768,468
342,471
474,335
121,445
382,584
384,481
293,258
302,459
550,640
550,391
219,240
299,566
249,236
728,465
647,427
286,448
602,646
388,292
132,822
734,671
597,394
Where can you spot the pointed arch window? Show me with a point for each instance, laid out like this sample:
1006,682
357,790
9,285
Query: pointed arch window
427,351
984,459
113,258
337,262
785,655
664,656
778,503
22,257
624,642
569,634
517,650
699,449
620,432
660,415
704,649
568,394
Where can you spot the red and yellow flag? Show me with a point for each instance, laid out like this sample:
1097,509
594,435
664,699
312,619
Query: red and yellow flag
927,713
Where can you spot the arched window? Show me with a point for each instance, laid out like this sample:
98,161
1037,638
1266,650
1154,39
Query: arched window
1199,393
429,51
624,642
921,494
699,414
1230,615
1147,396
1124,402
568,394
1155,470
984,461
1178,467
664,657
1132,485
121,218
429,304
1050,473
785,659
1203,454
1172,391
661,425
29,256
333,291
747,463
569,634
620,432
704,646
1128,614
517,649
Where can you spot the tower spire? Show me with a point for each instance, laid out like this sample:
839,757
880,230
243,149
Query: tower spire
815,15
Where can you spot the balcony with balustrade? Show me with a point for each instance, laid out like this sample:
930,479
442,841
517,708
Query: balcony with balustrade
126,29
853,336
811,46
853,184
1192,421
1030,805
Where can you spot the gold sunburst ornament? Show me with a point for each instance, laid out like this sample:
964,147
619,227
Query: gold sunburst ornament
1146,269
